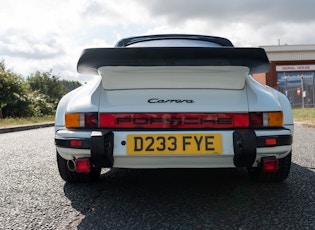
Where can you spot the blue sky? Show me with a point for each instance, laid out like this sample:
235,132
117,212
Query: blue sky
50,35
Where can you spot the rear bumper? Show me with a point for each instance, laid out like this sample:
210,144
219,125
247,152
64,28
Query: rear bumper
240,148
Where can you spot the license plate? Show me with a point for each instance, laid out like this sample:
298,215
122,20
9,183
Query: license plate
174,144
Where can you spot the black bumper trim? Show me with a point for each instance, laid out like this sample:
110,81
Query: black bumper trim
65,143
280,140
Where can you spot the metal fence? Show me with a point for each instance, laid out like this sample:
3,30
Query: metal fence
300,96
298,87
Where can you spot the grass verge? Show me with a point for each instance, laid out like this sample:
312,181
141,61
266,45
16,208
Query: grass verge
10,122
306,115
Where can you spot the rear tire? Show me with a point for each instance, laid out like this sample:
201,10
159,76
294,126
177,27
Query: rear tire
74,177
257,174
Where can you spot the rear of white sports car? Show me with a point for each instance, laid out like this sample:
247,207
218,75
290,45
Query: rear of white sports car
174,101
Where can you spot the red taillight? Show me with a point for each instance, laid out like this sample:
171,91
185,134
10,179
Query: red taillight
174,120
269,164
241,120
256,119
83,165
90,120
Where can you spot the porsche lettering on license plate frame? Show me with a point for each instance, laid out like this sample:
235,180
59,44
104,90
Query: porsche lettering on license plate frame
167,144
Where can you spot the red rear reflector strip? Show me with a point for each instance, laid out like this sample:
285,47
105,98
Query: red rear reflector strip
173,120
271,141
75,143
269,164
83,165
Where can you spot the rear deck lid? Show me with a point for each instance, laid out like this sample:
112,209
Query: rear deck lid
173,77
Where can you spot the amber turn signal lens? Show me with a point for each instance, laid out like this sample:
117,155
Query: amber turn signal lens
275,119
72,120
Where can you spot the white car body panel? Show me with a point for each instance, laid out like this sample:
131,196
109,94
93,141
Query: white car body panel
137,100
83,99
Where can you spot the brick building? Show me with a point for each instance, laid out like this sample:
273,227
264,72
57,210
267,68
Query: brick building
292,71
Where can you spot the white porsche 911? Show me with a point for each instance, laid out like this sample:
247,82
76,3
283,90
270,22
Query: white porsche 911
174,101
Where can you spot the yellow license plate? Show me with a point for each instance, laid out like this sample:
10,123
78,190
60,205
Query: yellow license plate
174,144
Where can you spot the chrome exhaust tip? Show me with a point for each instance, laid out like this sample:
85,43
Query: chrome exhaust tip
71,165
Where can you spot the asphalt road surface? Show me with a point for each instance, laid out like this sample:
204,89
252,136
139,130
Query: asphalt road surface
33,196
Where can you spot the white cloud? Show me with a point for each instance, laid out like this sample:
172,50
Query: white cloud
43,35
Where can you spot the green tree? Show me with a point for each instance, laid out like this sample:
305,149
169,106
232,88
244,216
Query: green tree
14,98
38,95
70,85
47,84
2,66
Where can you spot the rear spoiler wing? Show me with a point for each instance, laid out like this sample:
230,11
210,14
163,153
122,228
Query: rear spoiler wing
253,58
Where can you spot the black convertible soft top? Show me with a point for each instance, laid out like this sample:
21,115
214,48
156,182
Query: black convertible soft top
132,40
226,55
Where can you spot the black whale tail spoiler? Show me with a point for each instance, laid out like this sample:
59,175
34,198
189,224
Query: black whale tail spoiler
253,58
